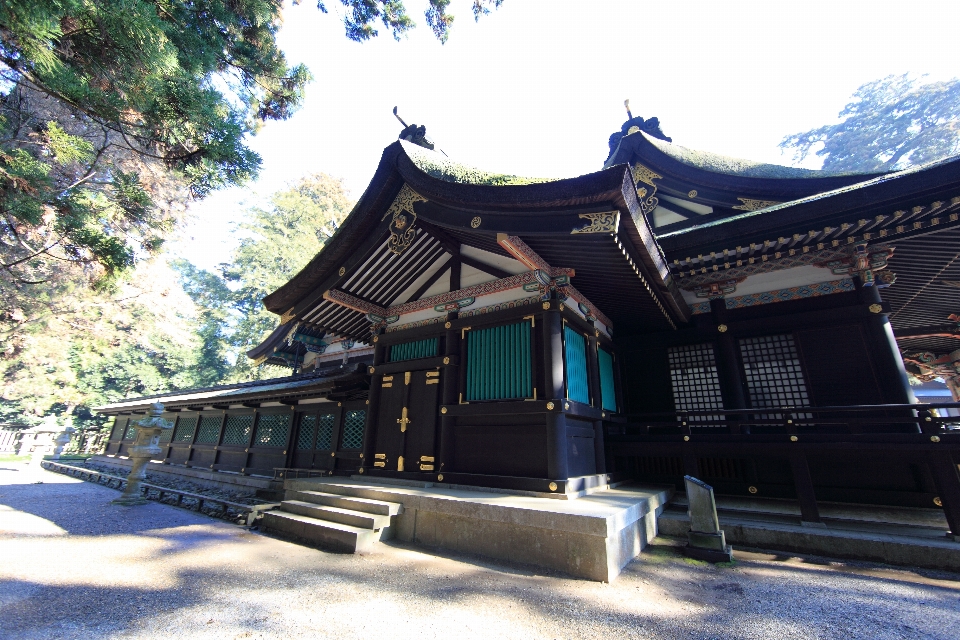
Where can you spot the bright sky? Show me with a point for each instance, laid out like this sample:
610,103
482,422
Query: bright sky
536,87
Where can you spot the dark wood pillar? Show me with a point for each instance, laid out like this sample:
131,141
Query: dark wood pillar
803,482
729,371
373,407
450,395
892,375
553,391
593,370
947,480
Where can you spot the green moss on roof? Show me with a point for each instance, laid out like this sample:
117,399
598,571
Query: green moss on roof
441,167
737,166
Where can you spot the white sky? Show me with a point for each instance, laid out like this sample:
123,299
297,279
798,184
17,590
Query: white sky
536,87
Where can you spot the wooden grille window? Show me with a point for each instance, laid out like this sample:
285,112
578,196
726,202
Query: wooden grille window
412,350
131,428
499,363
575,357
272,430
608,388
308,426
208,431
771,366
325,431
236,430
694,380
353,423
165,436
184,430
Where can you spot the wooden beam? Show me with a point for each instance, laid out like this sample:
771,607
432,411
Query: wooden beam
422,289
486,268
450,244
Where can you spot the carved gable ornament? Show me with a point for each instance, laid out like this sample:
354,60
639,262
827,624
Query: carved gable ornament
402,231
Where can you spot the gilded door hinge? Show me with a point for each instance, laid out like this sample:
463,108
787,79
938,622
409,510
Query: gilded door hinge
406,377
426,458
380,463
380,456
426,467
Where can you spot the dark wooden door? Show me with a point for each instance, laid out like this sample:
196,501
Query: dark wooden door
317,434
421,434
407,421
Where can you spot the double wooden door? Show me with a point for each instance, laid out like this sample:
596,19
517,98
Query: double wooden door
407,421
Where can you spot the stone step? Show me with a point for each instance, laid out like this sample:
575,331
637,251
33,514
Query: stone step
353,503
320,533
336,514
356,490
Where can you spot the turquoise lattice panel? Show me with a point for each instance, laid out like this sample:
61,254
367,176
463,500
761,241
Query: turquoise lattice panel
353,423
237,430
575,347
185,429
608,389
208,431
272,430
413,350
308,426
325,433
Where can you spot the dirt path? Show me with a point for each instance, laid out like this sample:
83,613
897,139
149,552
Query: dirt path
72,565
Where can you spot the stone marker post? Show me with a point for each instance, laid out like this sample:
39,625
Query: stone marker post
706,539
62,440
145,446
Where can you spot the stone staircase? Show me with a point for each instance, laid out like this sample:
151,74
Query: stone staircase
335,518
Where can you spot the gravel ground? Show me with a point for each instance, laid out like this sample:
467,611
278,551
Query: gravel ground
75,566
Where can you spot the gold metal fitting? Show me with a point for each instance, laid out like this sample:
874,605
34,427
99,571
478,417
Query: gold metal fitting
446,360
794,438
475,222
361,456
440,478
686,438
372,370
566,405
360,470
937,501
550,406
552,486
447,325
934,438
376,338
546,305
875,308
443,409
342,271
722,328
333,454
339,404
752,489
692,193
561,306
603,414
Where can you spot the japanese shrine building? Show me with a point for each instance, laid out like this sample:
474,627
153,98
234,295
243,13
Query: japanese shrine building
676,312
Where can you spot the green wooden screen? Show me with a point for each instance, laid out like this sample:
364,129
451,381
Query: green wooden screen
308,424
185,429
575,347
353,423
608,389
325,432
131,428
499,365
272,430
236,429
208,431
119,428
412,350
165,436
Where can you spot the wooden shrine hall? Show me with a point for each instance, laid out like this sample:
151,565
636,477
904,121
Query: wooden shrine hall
676,312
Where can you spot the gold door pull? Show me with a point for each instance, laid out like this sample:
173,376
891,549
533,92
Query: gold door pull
403,420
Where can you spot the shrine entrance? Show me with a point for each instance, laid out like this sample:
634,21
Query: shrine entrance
407,421
329,436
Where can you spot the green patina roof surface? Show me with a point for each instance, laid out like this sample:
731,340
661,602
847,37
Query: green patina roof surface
717,163
441,167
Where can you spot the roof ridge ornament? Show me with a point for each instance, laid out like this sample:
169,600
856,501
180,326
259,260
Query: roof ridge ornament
417,134
635,124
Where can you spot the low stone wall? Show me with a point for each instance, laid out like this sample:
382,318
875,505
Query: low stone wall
219,480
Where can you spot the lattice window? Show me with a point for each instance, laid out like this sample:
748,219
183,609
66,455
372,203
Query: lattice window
694,380
308,426
353,423
499,363
575,356
131,428
771,366
272,430
608,387
236,429
184,430
208,431
119,428
165,436
325,431
413,350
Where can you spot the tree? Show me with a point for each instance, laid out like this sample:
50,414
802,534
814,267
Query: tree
277,242
891,124
97,94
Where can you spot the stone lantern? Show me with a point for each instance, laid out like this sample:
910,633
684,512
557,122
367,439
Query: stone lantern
145,446
61,441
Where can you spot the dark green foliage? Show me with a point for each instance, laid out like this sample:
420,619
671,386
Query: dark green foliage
892,123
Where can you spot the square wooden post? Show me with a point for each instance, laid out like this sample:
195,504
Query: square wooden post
557,468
